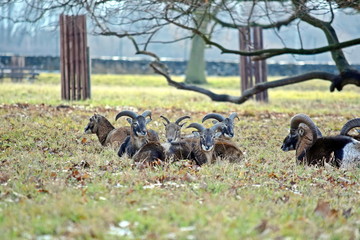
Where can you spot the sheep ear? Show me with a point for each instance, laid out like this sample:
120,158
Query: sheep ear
218,134
129,120
301,132
215,121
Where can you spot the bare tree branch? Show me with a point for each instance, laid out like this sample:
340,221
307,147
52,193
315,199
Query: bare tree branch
338,82
276,25
330,34
272,52
143,52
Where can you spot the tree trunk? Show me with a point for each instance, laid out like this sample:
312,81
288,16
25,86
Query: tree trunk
195,71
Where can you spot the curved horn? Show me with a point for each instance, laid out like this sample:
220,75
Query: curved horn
167,120
216,116
233,116
198,126
350,125
318,132
146,114
128,113
303,118
216,126
180,119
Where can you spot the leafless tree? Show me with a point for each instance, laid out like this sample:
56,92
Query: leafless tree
142,20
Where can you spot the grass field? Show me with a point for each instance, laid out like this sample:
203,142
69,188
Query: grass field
58,183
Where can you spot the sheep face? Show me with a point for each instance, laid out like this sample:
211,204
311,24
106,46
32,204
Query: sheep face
290,141
173,129
298,139
138,126
172,132
207,135
228,128
207,139
92,126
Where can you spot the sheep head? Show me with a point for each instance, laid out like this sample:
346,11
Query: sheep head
207,135
137,122
91,127
227,129
173,129
303,134
95,123
291,140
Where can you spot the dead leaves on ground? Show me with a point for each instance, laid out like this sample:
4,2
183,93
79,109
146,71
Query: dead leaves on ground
324,210
79,176
83,140
264,226
4,177
77,173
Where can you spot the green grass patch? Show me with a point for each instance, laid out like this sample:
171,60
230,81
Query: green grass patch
45,193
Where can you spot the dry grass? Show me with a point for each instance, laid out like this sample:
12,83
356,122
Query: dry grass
57,183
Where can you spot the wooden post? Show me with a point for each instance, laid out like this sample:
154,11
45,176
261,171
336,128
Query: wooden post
62,56
252,72
74,58
243,59
263,66
17,66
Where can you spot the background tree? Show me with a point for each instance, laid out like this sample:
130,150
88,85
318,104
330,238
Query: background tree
195,69
142,20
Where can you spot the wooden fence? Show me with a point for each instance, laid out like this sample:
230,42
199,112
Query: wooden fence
74,58
17,70
252,72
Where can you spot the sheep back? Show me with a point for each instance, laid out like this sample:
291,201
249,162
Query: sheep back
225,149
176,151
331,150
117,136
151,151
153,136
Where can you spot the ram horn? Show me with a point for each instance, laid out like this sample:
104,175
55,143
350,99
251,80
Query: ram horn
216,116
128,113
233,116
198,126
167,120
147,113
180,119
350,125
217,126
303,118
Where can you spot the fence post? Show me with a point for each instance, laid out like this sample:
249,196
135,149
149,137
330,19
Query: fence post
252,72
74,58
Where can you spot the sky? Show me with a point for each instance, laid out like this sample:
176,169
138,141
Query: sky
46,42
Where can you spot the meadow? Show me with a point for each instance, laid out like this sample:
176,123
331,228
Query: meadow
58,183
